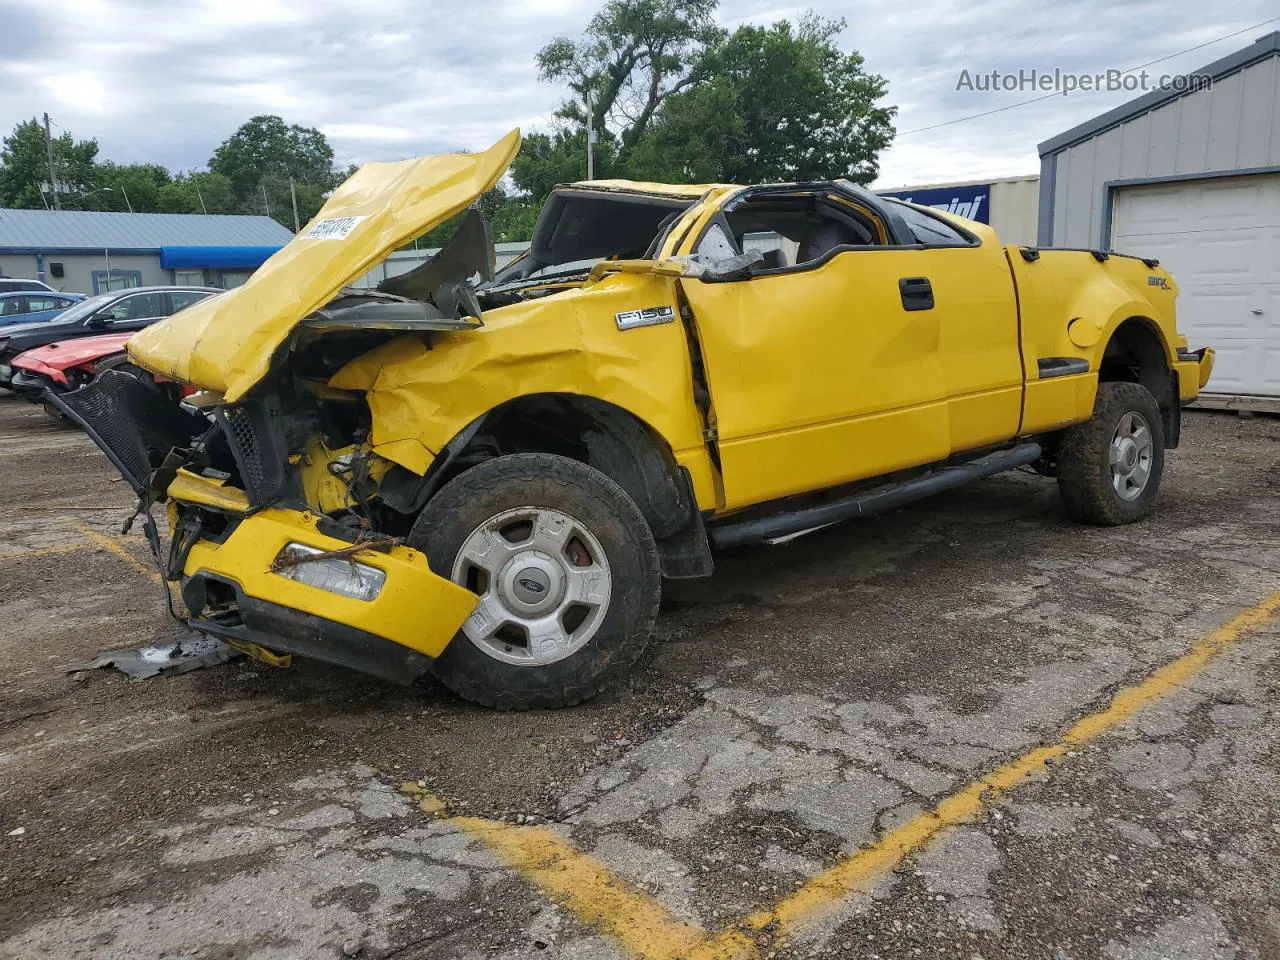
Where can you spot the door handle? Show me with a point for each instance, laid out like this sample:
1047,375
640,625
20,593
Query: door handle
917,293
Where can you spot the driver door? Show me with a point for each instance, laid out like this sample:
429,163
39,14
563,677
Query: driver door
135,311
820,373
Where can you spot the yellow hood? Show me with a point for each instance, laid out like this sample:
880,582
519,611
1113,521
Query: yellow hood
226,343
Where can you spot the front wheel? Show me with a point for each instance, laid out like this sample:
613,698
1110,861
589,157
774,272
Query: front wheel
1109,468
567,574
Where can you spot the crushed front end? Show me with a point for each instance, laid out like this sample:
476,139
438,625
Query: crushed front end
274,543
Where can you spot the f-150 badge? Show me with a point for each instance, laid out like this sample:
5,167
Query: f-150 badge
647,317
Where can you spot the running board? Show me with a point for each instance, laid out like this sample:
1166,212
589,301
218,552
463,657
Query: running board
737,533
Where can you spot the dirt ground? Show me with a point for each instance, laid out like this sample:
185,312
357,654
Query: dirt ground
809,705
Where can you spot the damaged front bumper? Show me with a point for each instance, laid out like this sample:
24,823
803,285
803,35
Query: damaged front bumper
275,580
256,566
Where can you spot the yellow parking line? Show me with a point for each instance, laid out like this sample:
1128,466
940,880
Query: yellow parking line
823,895
43,551
583,884
648,930
113,546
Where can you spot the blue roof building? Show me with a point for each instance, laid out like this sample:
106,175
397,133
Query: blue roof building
89,252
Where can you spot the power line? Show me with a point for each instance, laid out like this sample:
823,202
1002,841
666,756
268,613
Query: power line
1047,96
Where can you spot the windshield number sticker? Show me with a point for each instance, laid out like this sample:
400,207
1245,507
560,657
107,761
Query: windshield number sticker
648,317
335,228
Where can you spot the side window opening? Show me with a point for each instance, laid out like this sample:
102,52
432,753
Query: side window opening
928,229
793,229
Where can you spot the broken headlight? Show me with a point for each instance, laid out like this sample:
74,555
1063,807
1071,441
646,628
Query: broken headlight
339,575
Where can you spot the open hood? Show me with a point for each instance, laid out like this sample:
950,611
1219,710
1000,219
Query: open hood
226,343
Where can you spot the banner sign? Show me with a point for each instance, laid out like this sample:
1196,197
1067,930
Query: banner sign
972,202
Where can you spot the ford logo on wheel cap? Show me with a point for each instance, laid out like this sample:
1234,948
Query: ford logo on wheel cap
533,586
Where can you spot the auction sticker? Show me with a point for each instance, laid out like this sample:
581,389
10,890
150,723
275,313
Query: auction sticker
335,228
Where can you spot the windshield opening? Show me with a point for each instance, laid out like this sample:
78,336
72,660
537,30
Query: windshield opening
578,228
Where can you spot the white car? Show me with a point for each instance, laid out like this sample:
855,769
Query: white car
10,285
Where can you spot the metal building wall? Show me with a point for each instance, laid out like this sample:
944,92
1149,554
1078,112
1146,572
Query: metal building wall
1015,209
1235,125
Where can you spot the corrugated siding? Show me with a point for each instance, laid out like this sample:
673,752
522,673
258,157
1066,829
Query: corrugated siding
1233,126
84,230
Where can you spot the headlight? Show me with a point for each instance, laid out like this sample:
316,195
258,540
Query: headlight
359,581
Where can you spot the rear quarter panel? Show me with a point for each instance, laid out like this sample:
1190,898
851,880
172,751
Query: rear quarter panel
1070,304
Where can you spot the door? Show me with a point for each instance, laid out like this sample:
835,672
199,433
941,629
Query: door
977,312
861,348
135,311
1220,239
819,376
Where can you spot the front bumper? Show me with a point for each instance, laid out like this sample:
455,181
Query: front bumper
232,590
1194,368
29,386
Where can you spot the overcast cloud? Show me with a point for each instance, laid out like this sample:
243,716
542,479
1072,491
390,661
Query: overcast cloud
167,80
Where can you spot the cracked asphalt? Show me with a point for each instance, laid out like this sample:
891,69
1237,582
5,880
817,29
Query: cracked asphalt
805,704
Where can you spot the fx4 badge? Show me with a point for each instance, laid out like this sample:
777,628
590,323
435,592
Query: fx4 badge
647,317
1161,282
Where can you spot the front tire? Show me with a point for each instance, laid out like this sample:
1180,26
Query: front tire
567,570
1109,468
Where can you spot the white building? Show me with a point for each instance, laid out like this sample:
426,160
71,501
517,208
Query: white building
1009,204
1190,176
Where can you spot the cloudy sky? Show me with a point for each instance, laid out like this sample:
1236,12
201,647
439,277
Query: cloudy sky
166,81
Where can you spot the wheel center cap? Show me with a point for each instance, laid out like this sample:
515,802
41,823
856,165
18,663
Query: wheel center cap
532,583
1128,454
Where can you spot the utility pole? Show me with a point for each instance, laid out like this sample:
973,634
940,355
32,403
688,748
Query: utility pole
591,139
293,195
126,198
53,168
265,202
200,197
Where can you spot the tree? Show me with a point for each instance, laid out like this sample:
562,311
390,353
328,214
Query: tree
119,187
264,154
635,54
548,159
777,103
24,165
198,192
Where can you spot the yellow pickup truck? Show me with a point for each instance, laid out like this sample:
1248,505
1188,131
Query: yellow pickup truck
488,475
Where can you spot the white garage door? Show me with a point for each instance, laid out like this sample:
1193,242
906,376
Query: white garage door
1220,238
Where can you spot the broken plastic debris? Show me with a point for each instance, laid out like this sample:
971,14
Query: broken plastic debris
169,659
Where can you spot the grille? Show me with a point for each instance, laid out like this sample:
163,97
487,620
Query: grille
131,420
254,431
238,424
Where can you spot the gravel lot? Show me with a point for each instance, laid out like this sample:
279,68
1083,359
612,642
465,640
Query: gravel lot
798,707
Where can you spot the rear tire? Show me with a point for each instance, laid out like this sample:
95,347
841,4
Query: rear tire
1109,468
568,573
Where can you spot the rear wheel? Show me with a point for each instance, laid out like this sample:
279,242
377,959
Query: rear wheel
1109,468
567,574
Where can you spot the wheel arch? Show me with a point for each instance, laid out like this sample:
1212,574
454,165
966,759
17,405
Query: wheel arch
1136,351
592,431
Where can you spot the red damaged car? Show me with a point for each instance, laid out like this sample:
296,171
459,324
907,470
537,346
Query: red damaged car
65,365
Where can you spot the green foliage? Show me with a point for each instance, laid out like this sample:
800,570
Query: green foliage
634,55
24,165
198,192
677,98
779,103
263,155
265,146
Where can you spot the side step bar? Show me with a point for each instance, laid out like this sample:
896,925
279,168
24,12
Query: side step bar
737,533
